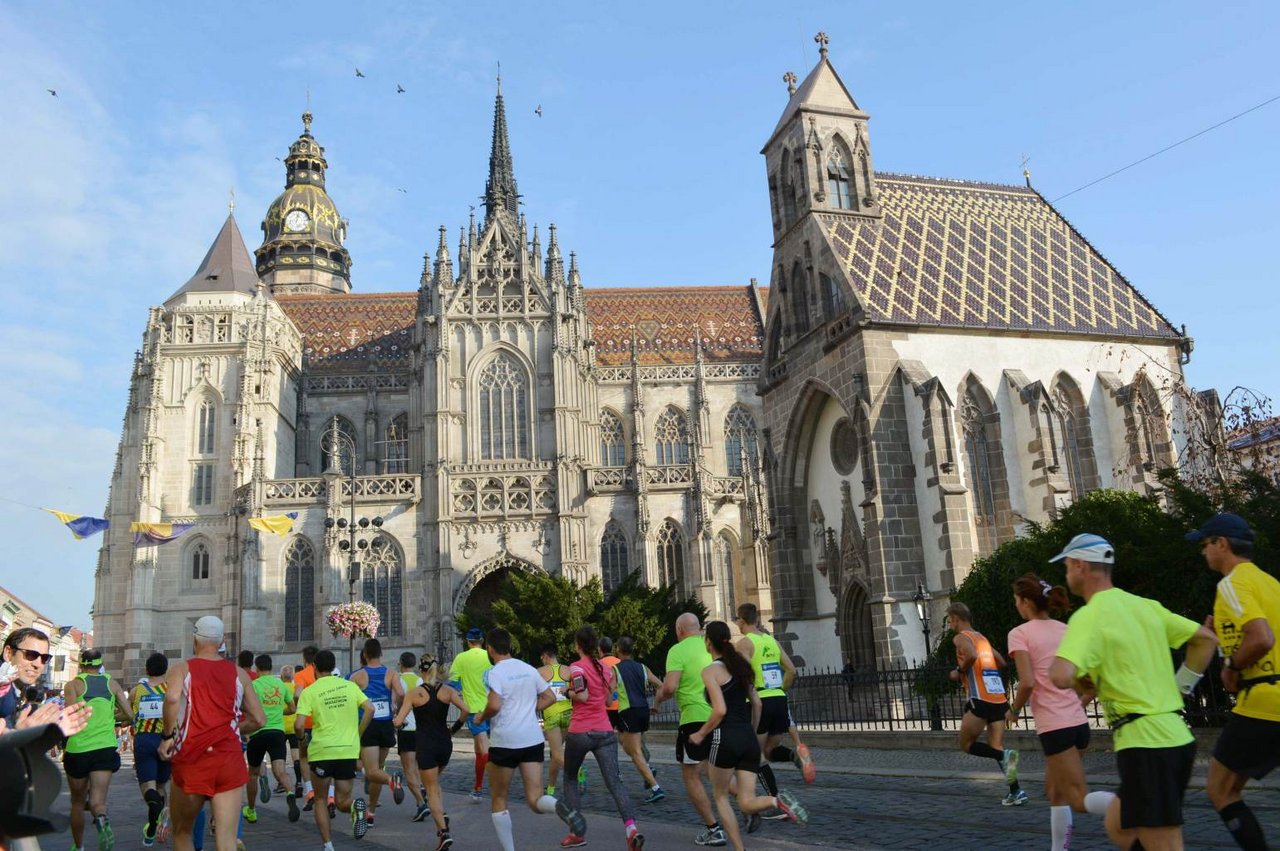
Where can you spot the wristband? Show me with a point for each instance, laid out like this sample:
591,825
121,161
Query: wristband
1187,679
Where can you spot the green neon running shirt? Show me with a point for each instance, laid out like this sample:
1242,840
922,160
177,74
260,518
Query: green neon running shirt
274,696
333,705
469,669
689,657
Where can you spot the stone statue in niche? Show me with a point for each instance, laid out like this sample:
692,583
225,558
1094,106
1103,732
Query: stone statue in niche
818,522
853,545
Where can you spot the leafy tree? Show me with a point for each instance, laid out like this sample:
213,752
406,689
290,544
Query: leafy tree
648,615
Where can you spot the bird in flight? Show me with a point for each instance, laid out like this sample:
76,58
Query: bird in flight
405,191
399,89
538,111
52,92
359,73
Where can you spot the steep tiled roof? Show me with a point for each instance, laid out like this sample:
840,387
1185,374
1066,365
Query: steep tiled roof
346,333
981,255
226,267
667,320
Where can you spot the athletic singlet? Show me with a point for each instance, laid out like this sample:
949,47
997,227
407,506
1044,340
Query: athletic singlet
148,707
101,730
411,681
737,708
632,679
560,688
432,717
377,692
982,680
209,717
766,662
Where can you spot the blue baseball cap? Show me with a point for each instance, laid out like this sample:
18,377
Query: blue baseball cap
1224,525
1088,547
474,634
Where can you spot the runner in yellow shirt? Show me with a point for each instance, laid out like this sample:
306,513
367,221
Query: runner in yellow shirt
467,677
1246,605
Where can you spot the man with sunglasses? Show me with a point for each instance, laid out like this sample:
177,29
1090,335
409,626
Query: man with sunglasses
26,655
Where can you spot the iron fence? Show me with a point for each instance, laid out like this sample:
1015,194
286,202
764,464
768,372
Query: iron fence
924,698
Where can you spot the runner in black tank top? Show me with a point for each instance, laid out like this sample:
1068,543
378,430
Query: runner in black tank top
735,751
430,704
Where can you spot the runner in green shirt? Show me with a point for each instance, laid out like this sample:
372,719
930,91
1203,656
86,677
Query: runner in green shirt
1117,646
466,676
277,701
339,712
683,680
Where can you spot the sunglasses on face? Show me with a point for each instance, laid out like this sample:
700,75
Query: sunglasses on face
33,655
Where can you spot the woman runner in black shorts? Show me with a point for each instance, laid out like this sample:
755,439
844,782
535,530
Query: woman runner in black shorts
735,750
430,704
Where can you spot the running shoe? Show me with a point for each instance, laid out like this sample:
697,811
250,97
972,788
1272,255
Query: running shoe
773,815
711,836
655,795
804,762
106,837
577,824
368,818
443,840
550,790
164,829
333,810
148,839
397,787
477,795
292,800
424,810
1010,765
264,787
310,802
573,841
250,814
791,808
753,822
1015,799
359,827
635,841
279,790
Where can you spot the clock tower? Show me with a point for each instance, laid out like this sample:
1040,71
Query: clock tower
302,235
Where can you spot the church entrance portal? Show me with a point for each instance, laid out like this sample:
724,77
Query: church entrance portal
484,585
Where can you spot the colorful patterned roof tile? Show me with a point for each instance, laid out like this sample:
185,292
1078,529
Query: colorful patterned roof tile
982,255
348,333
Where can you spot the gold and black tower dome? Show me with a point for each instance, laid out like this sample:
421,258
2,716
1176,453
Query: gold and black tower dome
302,234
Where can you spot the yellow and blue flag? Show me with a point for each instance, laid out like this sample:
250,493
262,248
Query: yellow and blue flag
145,534
82,527
278,524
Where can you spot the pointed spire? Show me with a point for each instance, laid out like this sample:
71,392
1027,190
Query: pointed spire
555,263
500,192
574,280
536,247
226,268
444,265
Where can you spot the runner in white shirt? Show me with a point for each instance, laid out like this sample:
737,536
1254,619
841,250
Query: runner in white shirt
516,693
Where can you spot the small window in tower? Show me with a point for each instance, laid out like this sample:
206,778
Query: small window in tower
838,179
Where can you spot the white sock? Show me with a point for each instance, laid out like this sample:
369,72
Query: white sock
1060,825
547,805
1096,803
307,788
328,846
502,826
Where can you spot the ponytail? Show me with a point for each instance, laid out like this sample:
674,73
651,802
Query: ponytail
589,644
721,641
1045,597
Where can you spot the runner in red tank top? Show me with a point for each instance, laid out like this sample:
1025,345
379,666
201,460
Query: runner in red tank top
208,704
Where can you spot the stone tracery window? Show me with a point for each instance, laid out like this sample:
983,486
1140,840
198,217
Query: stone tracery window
396,451
504,410
671,556
1076,451
200,562
839,178
978,452
613,448
672,435
740,437
382,572
299,591
206,427
615,561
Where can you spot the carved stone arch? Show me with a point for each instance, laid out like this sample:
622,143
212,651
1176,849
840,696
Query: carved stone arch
298,565
198,564
673,554
727,566
382,582
513,409
503,561
1078,452
982,458
614,437
837,173
201,389
855,626
671,436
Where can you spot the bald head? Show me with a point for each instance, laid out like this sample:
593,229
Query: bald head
687,625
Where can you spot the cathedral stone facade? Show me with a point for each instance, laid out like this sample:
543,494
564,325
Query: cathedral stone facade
934,363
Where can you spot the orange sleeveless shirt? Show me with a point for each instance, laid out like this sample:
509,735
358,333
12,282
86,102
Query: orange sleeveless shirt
982,680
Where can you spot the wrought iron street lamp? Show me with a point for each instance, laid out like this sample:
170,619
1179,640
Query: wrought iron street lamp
922,600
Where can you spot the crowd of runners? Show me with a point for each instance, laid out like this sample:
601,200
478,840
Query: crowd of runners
212,737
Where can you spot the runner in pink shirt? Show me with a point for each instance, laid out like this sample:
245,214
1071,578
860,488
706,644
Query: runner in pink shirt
1061,723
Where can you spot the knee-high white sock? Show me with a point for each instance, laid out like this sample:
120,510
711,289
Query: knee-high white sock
502,826
547,805
1096,803
1060,825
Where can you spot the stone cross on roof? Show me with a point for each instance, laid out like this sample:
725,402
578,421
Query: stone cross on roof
790,79
823,41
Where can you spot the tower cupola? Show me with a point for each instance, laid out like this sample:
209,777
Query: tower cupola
302,247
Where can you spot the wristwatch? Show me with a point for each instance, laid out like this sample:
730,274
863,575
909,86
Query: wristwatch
164,737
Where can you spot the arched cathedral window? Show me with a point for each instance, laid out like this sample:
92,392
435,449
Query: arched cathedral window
199,563
671,556
832,298
504,410
396,446
978,454
1077,447
206,428
344,446
739,439
672,438
839,178
799,299
299,591
383,585
615,561
724,557
613,448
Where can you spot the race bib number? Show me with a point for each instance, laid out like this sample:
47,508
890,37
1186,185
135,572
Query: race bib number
557,690
992,683
151,707
381,709
772,673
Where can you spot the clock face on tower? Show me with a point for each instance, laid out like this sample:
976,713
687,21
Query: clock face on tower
296,220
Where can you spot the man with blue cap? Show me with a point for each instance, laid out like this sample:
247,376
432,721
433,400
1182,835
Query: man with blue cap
467,677
1118,645
1246,604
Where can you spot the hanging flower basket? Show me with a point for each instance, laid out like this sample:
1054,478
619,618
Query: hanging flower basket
350,620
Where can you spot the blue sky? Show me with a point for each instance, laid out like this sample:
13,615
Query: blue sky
646,157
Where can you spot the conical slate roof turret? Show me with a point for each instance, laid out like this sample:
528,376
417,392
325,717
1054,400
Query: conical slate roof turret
226,268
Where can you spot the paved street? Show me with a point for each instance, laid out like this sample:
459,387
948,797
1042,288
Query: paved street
864,799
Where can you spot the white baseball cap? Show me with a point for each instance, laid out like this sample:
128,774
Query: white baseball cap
210,628
1088,547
